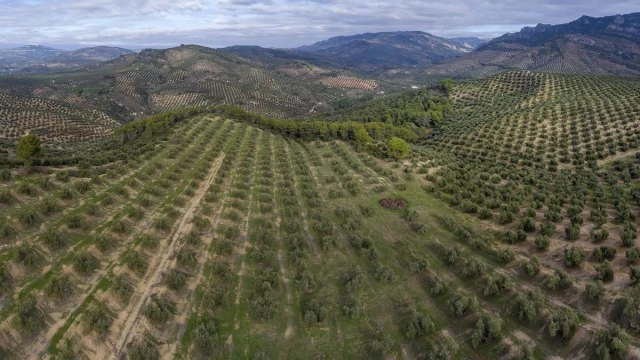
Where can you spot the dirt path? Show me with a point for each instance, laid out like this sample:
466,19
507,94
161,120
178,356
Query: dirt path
313,109
617,156
42,344
156,277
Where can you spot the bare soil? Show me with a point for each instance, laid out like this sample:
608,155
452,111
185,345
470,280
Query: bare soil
393,204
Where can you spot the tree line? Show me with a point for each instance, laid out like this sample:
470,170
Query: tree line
380,139
415,107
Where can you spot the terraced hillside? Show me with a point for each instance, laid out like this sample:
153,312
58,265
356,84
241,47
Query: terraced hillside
156,81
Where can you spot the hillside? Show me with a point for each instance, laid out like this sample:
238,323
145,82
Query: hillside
41,59
607,45
509,232
155,81
375,52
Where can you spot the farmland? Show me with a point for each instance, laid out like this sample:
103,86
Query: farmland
86,105
508,232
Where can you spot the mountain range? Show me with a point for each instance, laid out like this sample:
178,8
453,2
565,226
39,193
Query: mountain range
285,83
370,53
38,58
588,45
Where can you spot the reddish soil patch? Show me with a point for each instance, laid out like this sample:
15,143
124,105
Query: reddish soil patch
393,204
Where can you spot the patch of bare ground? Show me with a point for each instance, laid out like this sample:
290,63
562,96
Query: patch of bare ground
393,204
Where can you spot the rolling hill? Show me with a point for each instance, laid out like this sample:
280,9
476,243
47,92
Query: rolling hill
606,45
509,232
155,81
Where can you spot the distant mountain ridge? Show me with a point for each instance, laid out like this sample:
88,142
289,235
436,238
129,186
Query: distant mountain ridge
588,45
38,58
620,26
376,52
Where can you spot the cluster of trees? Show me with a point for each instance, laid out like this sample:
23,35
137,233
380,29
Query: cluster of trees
379,138
418,107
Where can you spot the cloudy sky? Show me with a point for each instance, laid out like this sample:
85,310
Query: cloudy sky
272,23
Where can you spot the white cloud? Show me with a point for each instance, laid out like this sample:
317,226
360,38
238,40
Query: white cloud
281,23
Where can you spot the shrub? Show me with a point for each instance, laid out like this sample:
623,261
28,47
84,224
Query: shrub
58,287
160,309
462,304
135,213
66,194
559,280
28,318
542,242
120,226
496,285
384,274
98,318
81,186
135,261
515,237
314,312
53,239
85,263
573,256
162,224
367,211
214,297
532,267
603,253
474,268
528,224
598,235
419,325
452,255
204,334
122,288
505,255
595,290
187,257
605,272
74,221
27,216
572,232
6,197
564,323
262,307
354,280
633,254
506,217
530,305
147,241
5,175
614,343
103,242
143,350
176,280
352,309
27,255
487,329
26,189
382,345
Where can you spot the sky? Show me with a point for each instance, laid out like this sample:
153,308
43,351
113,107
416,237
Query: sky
139,24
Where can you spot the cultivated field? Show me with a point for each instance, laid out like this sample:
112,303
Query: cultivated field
509,233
